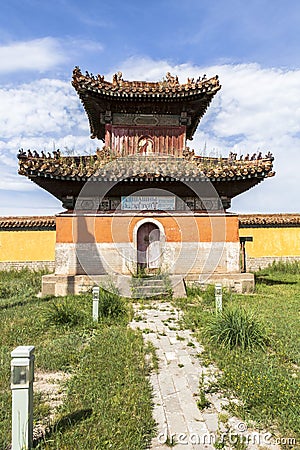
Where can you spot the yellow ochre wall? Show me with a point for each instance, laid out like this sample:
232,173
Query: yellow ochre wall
40,245
27,246
272,241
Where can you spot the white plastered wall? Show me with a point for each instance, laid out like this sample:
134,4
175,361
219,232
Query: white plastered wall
121,258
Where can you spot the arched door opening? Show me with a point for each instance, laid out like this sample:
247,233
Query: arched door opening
148,247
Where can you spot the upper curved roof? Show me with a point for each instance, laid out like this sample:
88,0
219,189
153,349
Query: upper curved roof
164,97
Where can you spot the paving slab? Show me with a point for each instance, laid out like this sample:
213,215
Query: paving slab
176,386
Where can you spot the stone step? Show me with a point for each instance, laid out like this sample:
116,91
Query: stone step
155,286
150,282
150,288
149,291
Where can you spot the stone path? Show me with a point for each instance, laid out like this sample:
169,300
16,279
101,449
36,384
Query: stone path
177,385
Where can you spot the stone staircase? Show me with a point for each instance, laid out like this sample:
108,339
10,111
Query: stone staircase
157,286
151,286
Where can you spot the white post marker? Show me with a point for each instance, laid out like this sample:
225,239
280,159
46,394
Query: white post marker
22,374
96,291
218,297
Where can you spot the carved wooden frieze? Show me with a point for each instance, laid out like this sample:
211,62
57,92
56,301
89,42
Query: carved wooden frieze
146,119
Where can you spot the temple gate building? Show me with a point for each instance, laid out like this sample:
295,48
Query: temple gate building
145,202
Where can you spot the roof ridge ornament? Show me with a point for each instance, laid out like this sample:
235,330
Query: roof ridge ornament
169,81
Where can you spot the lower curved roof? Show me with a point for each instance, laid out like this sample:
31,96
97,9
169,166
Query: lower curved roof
105,166
65,176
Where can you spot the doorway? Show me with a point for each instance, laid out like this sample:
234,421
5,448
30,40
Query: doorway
148,247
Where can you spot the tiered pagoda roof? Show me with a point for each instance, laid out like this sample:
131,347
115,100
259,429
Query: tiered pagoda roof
102,98
160,115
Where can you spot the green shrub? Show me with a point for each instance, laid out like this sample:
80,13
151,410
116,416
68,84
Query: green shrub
64,311
110,303
208,295
203,402
236,327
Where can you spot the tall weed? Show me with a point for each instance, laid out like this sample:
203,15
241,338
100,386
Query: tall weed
236,327
64,311
110,303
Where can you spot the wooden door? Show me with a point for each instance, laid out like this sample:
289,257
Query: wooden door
148,246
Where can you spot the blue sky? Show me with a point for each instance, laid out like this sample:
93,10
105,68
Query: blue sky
254,46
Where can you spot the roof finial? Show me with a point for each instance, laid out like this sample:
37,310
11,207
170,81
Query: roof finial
172,81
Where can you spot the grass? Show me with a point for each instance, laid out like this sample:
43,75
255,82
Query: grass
108,401
287,267
110,383
202,403
264,378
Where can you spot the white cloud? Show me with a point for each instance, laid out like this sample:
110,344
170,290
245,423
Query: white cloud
37,54
41,55
256,109
42,107
261,103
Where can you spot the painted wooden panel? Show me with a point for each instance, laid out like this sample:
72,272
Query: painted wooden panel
125,140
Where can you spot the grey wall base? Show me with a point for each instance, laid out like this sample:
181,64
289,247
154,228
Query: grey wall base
254,264
61,285
32,265
237,282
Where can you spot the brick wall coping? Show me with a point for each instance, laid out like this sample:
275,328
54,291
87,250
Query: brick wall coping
15,223
260,220
27,223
